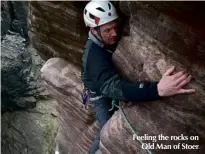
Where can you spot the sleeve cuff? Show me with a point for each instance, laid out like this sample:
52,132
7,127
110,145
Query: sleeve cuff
141,91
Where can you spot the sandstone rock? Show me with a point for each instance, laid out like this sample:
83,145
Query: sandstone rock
78,126
51,32
146,58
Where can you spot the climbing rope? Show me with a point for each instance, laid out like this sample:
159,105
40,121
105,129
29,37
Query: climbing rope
128,123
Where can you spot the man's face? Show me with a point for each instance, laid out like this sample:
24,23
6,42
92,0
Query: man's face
109,32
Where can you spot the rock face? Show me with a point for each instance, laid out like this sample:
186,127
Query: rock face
29,119
16,66
63,82
160,36
48,34
14,17
21,84
5,17
30,131
19,18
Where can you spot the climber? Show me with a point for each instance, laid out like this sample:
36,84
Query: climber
98,73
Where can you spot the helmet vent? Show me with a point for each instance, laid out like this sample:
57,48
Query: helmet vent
85,11
100,9
109,6
91,16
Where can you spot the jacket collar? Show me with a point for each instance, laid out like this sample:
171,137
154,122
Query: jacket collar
96,40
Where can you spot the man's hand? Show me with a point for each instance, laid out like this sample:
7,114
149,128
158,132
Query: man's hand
170,85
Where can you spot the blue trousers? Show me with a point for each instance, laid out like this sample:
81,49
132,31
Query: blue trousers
102,115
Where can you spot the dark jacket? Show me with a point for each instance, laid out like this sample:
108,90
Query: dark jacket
98,75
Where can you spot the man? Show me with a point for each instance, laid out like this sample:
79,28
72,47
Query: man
98,73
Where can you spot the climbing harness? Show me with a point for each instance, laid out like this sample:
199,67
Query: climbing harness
128,123
84,96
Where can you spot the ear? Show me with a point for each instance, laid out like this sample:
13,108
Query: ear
94,31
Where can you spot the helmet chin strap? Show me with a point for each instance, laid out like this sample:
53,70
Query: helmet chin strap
99,36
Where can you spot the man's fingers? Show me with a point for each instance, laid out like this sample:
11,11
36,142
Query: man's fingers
178,75
169,71
180,79
186,91
184,82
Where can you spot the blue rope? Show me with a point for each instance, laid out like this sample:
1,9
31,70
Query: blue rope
128,123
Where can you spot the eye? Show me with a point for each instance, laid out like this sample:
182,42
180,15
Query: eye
107,30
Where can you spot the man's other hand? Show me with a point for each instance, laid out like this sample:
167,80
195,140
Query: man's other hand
172,84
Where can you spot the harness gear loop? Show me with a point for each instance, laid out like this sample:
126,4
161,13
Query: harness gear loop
128,123
84,96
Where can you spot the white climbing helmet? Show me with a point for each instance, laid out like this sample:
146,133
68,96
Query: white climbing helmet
97,13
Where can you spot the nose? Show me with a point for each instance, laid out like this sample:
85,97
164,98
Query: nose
114,32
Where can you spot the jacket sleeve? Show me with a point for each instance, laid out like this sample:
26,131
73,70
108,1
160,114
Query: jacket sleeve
112,85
